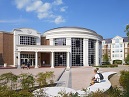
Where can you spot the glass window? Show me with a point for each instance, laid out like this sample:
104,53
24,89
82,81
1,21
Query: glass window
125,50
108,45
77,43
60,41
120,45
92,44
27,40
116,45
116,40
77,59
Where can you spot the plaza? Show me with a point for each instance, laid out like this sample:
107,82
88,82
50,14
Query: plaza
78,77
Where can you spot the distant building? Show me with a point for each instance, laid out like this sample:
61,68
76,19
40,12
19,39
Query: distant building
64,46
117,49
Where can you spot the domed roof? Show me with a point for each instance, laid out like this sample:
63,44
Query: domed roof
70,29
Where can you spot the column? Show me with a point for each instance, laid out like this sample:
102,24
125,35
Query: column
68,61
68,42
52,59
19,59
100,52
85,52
36,59
97,53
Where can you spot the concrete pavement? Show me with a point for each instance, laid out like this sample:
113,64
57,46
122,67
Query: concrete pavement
76,78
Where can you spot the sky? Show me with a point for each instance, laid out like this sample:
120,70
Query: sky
106,17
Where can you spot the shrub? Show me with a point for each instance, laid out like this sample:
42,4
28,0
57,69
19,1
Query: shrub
106,66
114,92
97,94
124,80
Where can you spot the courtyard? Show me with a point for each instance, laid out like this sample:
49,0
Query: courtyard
79,78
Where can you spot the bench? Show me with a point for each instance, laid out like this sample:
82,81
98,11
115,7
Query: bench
104,85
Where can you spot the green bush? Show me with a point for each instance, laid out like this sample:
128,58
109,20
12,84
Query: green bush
106,66
114,92
124,80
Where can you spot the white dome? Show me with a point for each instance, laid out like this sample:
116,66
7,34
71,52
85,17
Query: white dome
71,32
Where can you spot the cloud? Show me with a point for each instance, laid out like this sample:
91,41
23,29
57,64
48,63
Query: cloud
63,9
13,21
59,19
58,2
22,3
43,9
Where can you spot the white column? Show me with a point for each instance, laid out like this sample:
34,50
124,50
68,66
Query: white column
68,42
68,61
85,52
100,52
36,59
19,59
97,53
52,59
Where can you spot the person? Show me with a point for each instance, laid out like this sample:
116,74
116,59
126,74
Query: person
96,78
23,65
28,65
97,70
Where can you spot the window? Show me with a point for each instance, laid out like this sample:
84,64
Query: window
27,40
113,46
60,41
125,50
117,46
77,43
92,44
77,59
92,59
108,45
125,55
116,40
120,45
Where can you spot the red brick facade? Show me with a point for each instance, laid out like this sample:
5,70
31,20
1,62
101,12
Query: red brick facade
6,48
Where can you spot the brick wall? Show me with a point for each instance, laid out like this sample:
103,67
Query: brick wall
1,49
8,48
44,41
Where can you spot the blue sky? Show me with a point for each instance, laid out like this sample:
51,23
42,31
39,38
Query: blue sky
107,17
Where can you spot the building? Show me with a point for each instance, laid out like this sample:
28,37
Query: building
63,46
116,48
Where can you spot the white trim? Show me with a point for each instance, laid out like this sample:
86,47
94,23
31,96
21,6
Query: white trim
43,48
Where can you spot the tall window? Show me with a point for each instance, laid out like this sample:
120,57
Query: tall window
77,43
92,44
27,40
60,41
77,59
116,40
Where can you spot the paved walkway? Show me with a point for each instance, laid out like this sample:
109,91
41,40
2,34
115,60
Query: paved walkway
80,77
76,78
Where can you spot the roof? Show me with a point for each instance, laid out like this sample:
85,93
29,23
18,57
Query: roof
72,27
109,40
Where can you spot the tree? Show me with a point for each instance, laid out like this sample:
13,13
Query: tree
127,59
105,58
127,30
